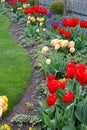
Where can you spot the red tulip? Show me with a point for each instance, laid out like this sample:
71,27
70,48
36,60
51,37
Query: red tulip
67,34
52,86
54,25
68,97
51,99
61,31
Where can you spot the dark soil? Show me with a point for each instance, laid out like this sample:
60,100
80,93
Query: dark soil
30,94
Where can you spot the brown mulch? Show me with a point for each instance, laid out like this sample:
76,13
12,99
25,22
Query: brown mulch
30,94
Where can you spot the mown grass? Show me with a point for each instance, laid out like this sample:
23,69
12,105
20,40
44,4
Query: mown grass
15,67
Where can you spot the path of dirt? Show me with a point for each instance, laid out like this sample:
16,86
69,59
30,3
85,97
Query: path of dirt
30,93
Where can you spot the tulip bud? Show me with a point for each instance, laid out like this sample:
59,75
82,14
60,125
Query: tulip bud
38,18
44,49
44,29
64,43
40,24
11,9
24,6
41,20
72,49
60,42
48,61
37,30
54,42
28,4
29,17
20,8
33,19
57,46
71,44
28,22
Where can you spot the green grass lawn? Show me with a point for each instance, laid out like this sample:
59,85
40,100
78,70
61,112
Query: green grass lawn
15,67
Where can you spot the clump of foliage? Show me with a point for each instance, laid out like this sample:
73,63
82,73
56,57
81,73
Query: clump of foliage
56,7
31,2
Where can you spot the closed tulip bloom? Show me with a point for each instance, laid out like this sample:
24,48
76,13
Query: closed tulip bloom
33,19
64,43
11,9
51,99
44,49
71,44
37,30
40,24
38,18
54,42
44,29
28,22
67,34
41,20
68,97
24,6
29,17
60,42
72,49
28,4
57,46
48,61
20,8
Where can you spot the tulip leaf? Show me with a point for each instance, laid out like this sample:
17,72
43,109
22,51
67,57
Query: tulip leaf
48,128
46,119
81,127
81,111
58,119
69,127
39,112
43,104
43,116
69,113
53,124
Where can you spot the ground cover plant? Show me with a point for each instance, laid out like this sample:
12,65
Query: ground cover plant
15,68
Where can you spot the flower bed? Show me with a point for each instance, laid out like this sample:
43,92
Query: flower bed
61,57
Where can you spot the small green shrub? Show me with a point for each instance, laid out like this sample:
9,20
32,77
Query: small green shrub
56,7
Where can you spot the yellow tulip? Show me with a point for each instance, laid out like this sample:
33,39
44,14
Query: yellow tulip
24,6
11,9
20,8
44,29
28,4
71,44
40,24
48,61
29,17
57,46
41,20
38,18
44,49
64,43
30,128
54,42
37,30
33,19
72,49
28,22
